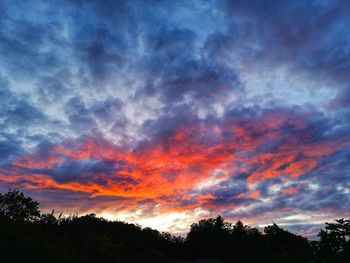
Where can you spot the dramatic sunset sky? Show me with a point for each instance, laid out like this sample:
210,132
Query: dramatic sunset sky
166,112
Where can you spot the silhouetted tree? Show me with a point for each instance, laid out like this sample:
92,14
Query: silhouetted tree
334,243
215,238
17,207
246,242
284,246
27,236
207,238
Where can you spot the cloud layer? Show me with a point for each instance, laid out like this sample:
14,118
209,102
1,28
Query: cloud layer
163,112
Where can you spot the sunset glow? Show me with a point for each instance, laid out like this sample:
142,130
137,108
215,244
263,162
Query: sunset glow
158,117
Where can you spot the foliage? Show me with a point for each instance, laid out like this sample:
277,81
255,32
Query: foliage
285,246
334,243
28,236
17,207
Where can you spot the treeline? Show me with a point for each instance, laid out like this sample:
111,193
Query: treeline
26,235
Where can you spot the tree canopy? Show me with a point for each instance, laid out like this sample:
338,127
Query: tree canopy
30,236
16,206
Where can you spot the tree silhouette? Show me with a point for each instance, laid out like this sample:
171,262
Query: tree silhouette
17,207
285,246
27,236
215,238
247,243
207,238
334,244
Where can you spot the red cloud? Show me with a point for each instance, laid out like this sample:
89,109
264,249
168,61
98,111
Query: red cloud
175,165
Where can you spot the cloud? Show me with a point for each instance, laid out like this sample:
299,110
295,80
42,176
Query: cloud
180,107
307,38
272,155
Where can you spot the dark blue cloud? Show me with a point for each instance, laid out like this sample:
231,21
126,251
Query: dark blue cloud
86,171
308,37
9,148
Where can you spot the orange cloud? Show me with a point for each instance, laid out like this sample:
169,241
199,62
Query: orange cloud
175,165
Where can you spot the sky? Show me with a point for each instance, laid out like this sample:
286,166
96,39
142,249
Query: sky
162,113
